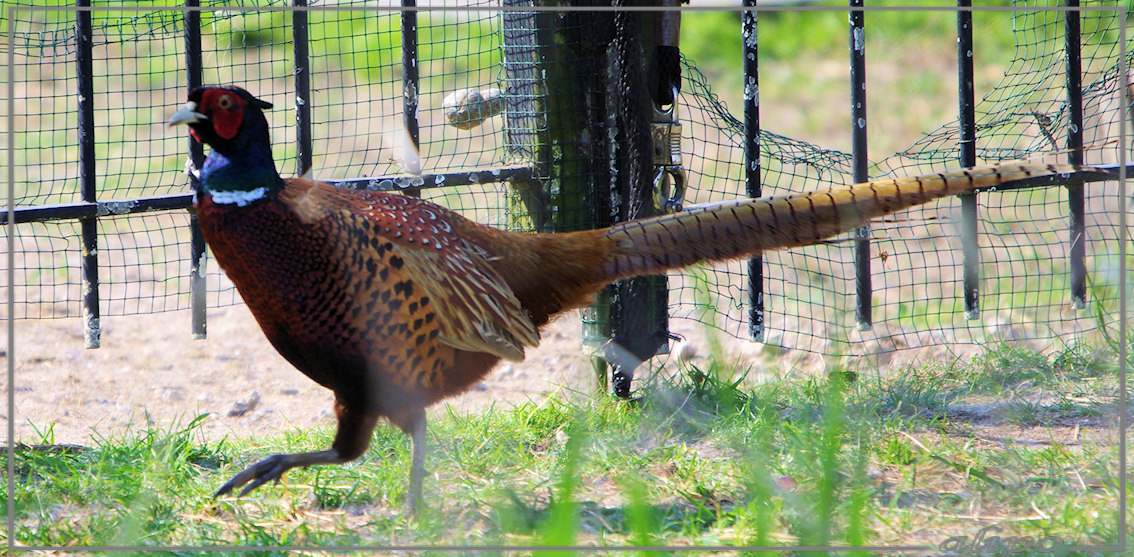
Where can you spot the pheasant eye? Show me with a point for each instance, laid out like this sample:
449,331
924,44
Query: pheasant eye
225,102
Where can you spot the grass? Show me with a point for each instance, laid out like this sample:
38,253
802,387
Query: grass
1013,438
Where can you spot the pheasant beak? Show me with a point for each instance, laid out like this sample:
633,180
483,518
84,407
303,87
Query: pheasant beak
187,115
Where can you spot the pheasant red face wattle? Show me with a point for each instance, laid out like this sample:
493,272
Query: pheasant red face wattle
225,110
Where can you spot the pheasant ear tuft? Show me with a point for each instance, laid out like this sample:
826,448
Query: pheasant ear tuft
258,103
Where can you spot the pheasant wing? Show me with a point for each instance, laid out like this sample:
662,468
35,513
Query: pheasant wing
476,308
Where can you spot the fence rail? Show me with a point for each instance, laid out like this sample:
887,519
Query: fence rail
398,182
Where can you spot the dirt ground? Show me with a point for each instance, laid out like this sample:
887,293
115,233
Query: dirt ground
149,370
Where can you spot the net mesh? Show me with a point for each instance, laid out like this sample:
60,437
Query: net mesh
357,96
917,262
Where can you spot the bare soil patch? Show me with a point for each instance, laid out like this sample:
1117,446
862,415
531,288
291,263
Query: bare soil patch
149,370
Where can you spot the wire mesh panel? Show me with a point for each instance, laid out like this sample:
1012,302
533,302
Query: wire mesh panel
46,173
143,262
45,270
138,60
133,84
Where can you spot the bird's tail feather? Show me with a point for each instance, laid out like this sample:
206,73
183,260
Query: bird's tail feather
748,226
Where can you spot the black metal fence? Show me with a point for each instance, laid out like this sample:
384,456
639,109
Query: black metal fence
89,208
769,162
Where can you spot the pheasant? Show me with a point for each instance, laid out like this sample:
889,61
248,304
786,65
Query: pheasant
394,303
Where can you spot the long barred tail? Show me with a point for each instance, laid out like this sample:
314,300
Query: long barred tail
747,226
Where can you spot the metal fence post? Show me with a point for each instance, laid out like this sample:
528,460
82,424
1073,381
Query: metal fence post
87,173
410,79
1075,201
864,290
638,319
302,89
198,302
529,201
752,184
966,94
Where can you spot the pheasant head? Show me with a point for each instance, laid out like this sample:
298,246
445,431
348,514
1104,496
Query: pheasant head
232,122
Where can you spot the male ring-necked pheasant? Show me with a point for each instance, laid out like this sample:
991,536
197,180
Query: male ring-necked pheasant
394,303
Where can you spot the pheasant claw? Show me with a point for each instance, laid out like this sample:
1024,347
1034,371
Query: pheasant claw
273,468
259,474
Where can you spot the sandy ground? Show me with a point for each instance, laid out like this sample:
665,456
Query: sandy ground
149,370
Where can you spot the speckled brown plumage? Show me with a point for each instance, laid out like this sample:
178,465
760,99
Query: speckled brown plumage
394,303
371,281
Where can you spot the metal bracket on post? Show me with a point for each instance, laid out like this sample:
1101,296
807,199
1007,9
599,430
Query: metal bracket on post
669,174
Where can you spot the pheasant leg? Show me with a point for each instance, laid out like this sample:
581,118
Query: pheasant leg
351,440
417,464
